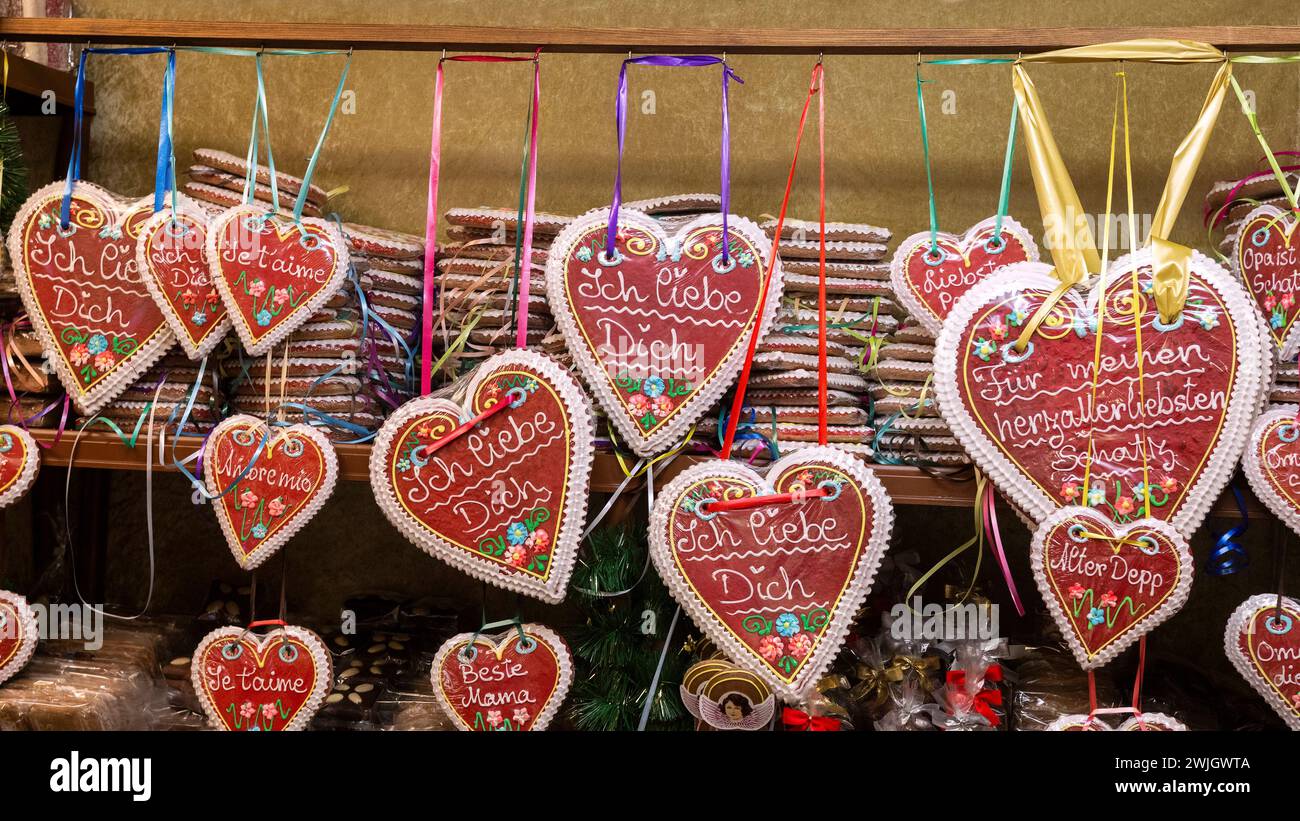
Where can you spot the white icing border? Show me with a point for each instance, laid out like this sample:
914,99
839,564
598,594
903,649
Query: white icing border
855,593
320,658
142,358
1063,723
537,632
898,264
1166,722
1238,622
594,374
567,539
299,519
29,635
217,331
31,466
342,259
1240,413
1153,618
1290,345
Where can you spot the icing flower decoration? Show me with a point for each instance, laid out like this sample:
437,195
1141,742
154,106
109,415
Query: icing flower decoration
787,624
639,403
1095,617
801,645
1076,591
517,556
1277,320
263,317
583,254
1295,699
1209,319
276,506
280,297
259,531
520,716
268,711
1140,491
984,348
1018,314
199,318
689,505
663,406
1096,495
187,296
79,354
998,329
257,287
1108,599
105,360
652,387
1287,302
403,465
771,648
247,710
211,298
517,533
538,540
530,385
492,391
45,221
1069,491
1270,301
97,344
1169,484
1124,505
494,718
247,499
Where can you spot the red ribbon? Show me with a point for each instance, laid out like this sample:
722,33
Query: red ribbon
799,721
982,702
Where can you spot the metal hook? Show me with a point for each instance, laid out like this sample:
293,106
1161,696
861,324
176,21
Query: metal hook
443,59
820,57
349,52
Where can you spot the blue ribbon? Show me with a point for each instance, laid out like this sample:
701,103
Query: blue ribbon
79,97
165,172
1228,555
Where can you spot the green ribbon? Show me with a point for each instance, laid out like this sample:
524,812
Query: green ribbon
929,173
1253,119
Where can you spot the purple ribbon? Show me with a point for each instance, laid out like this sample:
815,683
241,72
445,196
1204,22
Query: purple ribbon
620,114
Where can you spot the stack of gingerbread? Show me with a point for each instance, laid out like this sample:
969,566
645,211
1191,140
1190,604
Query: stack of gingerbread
160,397
909,429
217,181
390,268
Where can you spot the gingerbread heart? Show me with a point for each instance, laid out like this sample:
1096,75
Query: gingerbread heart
1153,722
659,329
273,274
172,257
1029,419
775,587
1269,264
1077,724
1107,585
18,634
504,501
251,682
515,680
1272,463
80,286
1263,643
929,282
273,480
20,461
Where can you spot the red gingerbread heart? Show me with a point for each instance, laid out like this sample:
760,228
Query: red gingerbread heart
929,282
83,292
1272,463
18,634
273,274
250,682
1028,419
1269,264
273,480
659,330
776,587
20,461
1263,643
172,257
515,680
1106,585
504,501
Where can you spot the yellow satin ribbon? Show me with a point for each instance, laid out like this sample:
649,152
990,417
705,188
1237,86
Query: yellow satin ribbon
1072,251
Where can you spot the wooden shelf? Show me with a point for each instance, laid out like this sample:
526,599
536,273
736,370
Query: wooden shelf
31,79
608,40
906,485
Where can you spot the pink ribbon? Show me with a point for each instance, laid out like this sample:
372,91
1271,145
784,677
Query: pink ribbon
991,526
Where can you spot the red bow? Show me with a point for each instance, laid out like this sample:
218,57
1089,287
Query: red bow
799,721
982,702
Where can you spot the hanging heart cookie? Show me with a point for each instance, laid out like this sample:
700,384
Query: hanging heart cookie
273,274
1077,724
172,257
1027,419
1263,643
1268,262
929,282
1105,585
18,634
273,481
1272,463
505,500
515,680
775,587
250,682
659,327
80,286
20,461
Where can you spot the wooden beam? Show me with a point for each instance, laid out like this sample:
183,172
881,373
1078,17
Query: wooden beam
608,40
32,79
